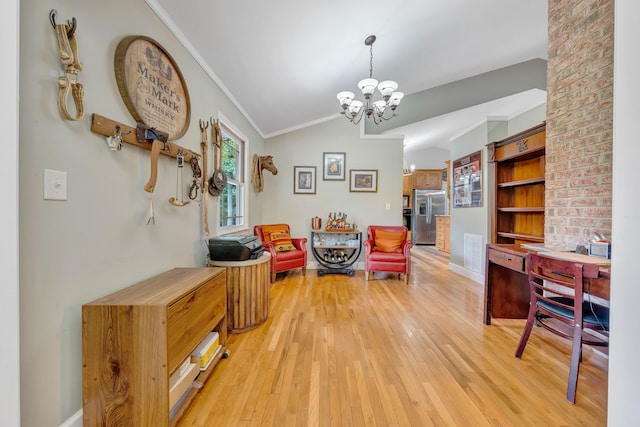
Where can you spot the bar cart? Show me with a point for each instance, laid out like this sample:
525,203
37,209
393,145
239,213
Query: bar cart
336,250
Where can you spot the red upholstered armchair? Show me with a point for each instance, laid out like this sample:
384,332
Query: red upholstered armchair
387,249
286,252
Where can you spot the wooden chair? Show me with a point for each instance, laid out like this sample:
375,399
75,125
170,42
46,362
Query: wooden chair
561,304
387,249
286,252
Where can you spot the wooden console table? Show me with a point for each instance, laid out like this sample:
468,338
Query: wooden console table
506,287
247,292
138,338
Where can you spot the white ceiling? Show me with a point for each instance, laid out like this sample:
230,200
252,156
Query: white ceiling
438,131
283,61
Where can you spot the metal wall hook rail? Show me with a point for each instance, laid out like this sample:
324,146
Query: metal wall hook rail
72,23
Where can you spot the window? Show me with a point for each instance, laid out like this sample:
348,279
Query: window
232,200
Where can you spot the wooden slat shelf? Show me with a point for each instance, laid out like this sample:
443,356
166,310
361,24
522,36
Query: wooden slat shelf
536,239
188,398
522,210
522,182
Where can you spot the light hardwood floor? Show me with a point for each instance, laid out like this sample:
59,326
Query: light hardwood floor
340,351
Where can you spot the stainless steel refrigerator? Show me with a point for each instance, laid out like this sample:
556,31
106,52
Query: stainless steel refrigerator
426,205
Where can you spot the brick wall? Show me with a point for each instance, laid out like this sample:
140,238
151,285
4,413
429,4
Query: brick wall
579,120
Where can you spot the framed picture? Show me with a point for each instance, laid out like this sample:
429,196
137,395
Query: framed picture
467,181
363,180
333,166
304,180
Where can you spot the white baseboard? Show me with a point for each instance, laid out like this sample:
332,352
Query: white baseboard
74,421
476,277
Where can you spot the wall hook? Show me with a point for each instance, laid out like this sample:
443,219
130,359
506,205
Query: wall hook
115,141
72,23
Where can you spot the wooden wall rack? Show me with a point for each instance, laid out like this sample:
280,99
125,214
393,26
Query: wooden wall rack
107,127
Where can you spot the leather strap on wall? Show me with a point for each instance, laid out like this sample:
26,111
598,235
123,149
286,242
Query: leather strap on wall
68,50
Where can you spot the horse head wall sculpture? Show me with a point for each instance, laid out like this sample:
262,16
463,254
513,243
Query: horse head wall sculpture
259,164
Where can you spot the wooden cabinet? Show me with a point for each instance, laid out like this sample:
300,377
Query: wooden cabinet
407,185
442,232
135,340
448,182
407,189
506,288
427,179
430,179
517,166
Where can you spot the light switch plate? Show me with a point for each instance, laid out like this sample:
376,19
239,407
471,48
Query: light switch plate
55,185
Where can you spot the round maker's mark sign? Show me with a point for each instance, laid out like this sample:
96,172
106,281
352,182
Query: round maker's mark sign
152,86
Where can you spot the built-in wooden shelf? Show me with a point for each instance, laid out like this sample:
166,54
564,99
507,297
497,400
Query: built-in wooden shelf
528,237
522,182
522,210
517,199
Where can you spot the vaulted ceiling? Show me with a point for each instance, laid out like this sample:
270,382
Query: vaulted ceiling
283,61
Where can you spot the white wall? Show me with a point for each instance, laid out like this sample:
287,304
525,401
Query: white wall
524,121
74,251
624,370
428,158
9,315
305,147
471,220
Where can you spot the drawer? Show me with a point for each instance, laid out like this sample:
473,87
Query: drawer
192,317
513,262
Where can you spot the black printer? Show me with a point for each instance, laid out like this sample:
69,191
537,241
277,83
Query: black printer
235,248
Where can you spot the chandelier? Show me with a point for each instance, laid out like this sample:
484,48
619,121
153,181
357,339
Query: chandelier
380,110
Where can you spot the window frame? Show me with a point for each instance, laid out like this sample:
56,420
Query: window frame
227,127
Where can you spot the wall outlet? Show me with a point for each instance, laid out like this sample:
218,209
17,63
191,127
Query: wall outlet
387,206
55,185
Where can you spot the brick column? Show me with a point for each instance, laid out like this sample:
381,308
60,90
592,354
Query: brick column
579,147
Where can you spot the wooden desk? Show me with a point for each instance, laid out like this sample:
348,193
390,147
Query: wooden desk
506,291
506,288
599,287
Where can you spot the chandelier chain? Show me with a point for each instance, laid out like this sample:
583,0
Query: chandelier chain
371,61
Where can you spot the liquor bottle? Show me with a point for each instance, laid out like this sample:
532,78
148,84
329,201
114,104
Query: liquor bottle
326,255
